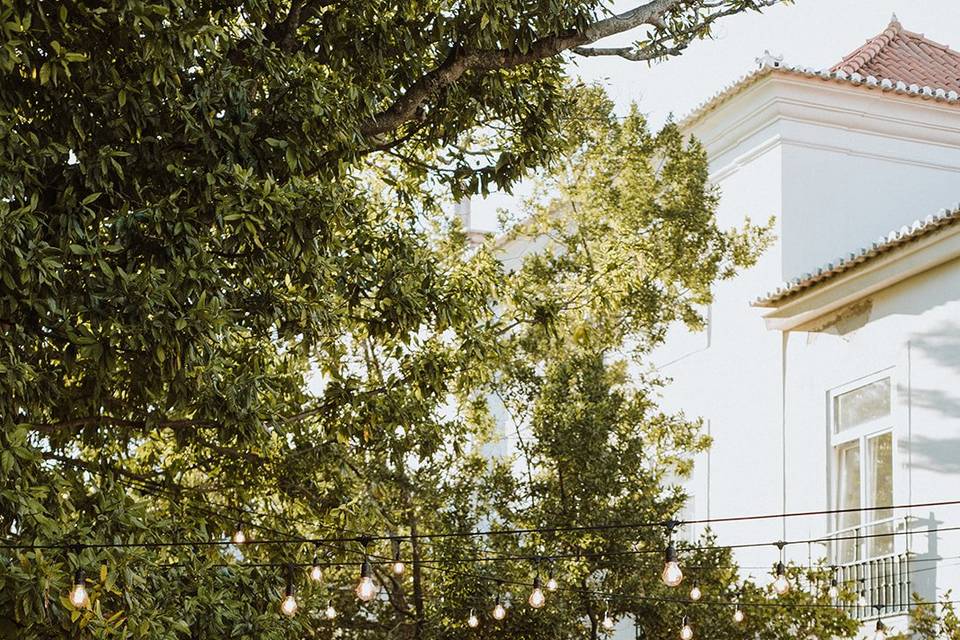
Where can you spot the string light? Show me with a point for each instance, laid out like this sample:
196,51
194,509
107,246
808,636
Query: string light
833,591
686,631
316,573
79,597
738,614
551,581
780,583
536,599
499,613
472,620
881,632
672,575
366,590
695,592
862,597
239,537
397,566
552,584
330,612
289,604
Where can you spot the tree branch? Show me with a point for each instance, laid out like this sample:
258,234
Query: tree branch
460,60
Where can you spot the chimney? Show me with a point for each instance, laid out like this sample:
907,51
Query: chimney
463,211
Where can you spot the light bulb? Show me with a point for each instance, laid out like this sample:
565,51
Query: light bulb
239,537
316,573
881,631
738,614
608,623
833,591
499,613
398,567
79,597
780,584
552,584
289,605
366,590
672,575
862,599
330,612
686,632
695,592
536,599
473,621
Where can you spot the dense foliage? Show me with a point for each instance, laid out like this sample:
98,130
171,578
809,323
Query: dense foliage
229,297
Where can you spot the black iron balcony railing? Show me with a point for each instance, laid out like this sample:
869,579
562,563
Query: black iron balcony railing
873,564
881,586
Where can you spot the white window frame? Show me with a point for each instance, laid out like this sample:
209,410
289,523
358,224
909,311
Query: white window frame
861,434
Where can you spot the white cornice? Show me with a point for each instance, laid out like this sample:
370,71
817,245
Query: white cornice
801,311
777,97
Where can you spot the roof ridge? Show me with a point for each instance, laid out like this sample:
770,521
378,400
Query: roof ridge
859,57
926,40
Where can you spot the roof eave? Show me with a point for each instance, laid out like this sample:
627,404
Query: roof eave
803,309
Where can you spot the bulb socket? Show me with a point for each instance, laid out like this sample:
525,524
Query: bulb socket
670,555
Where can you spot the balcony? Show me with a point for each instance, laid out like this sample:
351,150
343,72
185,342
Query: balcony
873,563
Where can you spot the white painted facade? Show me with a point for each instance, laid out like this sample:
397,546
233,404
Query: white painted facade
839,165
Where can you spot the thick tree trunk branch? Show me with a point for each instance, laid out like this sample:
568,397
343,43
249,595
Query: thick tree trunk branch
459,61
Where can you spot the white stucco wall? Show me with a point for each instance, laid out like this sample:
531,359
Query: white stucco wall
840,166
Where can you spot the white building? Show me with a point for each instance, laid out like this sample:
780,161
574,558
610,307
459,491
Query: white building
829,376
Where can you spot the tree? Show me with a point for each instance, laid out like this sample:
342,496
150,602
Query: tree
228,296
928,620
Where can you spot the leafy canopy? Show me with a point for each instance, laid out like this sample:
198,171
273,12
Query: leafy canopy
228,293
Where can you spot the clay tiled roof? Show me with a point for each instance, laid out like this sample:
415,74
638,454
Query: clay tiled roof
904,56
890,242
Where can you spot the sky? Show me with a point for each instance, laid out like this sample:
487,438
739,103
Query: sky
814,33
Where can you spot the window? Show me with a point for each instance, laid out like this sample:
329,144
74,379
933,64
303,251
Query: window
863,456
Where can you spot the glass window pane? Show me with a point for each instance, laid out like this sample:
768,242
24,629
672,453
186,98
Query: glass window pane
848,497
880,491
881,473
866,403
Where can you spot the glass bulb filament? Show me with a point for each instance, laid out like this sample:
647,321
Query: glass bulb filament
79,597
366,590
672,575
289,605
536,599
499,612
780,584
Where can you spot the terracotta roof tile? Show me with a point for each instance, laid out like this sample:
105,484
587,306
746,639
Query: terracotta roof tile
907,57
890,242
